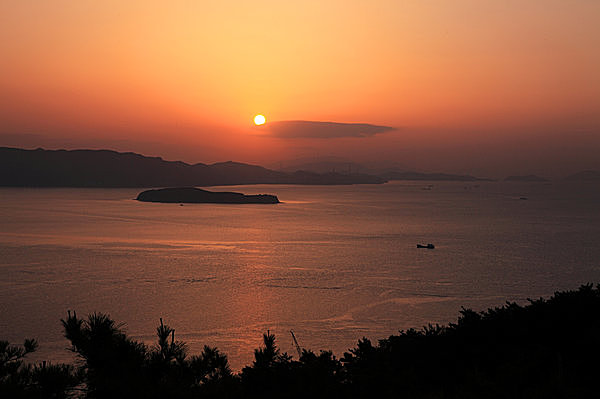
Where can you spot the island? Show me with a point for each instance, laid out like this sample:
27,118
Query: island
192,195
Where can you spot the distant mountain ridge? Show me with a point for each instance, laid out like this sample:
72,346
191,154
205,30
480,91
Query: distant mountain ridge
107,168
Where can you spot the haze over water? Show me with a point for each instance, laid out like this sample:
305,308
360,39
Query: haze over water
333,263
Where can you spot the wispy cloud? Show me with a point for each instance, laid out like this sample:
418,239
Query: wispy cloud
322,130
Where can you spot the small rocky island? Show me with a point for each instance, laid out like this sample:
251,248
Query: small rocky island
194,195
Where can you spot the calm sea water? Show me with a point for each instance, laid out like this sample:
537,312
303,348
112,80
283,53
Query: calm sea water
332,263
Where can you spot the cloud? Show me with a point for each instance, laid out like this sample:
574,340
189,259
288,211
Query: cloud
323,130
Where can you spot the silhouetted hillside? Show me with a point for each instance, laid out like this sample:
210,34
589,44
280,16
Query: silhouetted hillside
105,168
586,175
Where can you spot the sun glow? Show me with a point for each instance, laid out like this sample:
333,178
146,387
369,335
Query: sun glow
259,120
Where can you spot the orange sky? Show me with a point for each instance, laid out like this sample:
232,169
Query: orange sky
476,86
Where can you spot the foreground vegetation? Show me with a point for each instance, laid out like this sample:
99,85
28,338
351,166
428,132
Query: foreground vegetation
546,349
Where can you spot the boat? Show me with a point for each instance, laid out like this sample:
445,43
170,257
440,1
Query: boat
428,246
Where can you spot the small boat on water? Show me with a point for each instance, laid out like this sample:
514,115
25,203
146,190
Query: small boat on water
428,246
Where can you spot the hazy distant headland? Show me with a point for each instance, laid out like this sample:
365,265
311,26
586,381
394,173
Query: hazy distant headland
198,196
586,175
527,178
583,176
430,176
395,171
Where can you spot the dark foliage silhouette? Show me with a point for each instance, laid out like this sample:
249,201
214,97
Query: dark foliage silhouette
116,366
546,349
276,374
44,380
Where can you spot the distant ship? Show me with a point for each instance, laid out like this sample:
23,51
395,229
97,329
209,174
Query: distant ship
428,246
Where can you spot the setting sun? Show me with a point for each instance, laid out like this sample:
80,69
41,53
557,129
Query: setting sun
259,120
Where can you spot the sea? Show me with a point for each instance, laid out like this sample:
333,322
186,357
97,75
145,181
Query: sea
333,264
